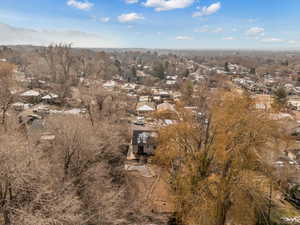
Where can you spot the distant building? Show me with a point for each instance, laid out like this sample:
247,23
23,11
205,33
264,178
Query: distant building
50,98
31,96
145,98
143,141
143,108
294,102
110,84
20,106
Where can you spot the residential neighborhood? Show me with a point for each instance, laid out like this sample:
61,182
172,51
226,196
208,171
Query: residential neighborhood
129,113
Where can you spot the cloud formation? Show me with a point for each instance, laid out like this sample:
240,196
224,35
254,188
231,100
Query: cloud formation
22,36
208,10
272,40
183,38
255,31
131,1
130,17
105,19
86,5
228,38
165,5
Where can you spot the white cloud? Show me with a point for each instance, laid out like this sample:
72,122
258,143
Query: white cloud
207,29
105,19
86,5
228,38
208,10
183,38
125,18
22,36
271,40
164,5
255,31
131,1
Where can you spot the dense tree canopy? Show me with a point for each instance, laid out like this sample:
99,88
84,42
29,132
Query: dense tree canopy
220,166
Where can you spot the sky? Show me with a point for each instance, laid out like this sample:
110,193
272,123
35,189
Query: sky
167,24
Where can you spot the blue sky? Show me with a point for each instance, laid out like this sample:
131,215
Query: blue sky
185,24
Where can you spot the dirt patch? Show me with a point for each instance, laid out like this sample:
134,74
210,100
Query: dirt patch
153,191
150,195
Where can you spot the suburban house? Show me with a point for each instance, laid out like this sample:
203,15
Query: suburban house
145,98
144,108
171,80
110,84
129,87
157,99
31,96
297,90
41,109
50,98
143,142
20,106
293,154
294,102
165,95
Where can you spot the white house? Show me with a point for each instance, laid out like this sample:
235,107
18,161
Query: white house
171,82
295,102
50,96
30,93
144,108
129,86
110,84
31,96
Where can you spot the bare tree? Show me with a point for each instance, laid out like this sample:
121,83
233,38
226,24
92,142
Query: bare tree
65,60
29,190
6,97
49,54
79,144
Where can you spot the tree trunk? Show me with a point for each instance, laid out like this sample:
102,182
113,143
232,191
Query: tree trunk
3,120
5,202
223,206
6,216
